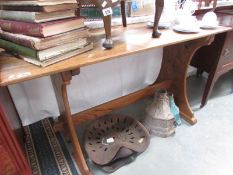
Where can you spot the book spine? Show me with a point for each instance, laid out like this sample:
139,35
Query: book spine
18,16
24,8
21,41
17,49
31,29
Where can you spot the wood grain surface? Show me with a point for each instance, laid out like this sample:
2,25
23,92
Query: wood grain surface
133,39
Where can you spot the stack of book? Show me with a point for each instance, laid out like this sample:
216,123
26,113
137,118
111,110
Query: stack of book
42,32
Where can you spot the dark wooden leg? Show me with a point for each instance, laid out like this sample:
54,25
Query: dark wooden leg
108,43
130,9
123,14
60,82
202,61
175,63
159,4
208,88
78,10
199,73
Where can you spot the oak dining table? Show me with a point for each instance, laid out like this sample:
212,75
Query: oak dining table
178,49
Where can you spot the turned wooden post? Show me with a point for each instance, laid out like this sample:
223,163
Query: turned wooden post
159,4
106,9
176,58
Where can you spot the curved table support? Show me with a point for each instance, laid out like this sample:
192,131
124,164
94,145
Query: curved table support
172,76
60,83
176,59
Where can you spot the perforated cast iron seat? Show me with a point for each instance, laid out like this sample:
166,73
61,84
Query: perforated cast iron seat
107,135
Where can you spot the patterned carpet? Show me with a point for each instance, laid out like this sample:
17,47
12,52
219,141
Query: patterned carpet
46,151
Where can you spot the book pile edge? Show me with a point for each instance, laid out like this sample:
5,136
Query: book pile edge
42,34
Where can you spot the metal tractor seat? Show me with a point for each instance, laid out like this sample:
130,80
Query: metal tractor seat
105,138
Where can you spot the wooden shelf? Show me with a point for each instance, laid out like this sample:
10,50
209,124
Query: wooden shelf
133,39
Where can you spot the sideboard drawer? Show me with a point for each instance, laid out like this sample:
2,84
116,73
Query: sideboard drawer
227,52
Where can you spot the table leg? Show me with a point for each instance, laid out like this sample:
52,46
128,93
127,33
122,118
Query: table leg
176,59
108,43
123,14
60,82
212,78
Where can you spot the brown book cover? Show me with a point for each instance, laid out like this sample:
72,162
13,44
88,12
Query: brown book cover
36,17
42,29
45,43
58,58
45,8
35,2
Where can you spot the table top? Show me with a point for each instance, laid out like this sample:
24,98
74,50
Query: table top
132,39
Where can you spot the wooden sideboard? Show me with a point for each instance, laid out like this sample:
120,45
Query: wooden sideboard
215,59
12,157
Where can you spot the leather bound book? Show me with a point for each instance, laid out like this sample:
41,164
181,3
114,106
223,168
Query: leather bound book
45,43
36,17
58,58
42,29
45,8
35,2
43,54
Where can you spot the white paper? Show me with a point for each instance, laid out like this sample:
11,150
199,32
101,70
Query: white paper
107,11
104,4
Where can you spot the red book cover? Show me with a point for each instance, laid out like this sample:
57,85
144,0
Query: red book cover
42,29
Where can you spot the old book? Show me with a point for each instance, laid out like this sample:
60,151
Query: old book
45,8
36,17
45,43
43,54
35,2
58,58
42,29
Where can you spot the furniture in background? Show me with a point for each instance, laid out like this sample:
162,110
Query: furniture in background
215,59
12,157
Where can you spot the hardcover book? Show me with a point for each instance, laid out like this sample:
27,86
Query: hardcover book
43,54
36,17
45,43
35,2
58,58
45,8
42,29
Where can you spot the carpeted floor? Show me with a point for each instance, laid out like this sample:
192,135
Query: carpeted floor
46,151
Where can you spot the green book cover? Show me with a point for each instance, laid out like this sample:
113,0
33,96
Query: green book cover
18,49
94,12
